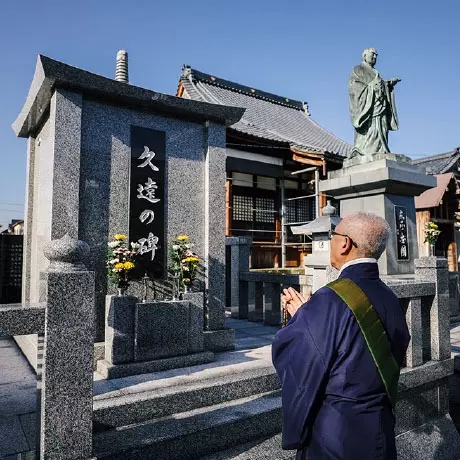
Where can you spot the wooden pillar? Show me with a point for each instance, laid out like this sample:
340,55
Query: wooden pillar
422,217
452,257
322,202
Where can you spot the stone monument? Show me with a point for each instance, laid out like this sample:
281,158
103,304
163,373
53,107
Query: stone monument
107,157
372,108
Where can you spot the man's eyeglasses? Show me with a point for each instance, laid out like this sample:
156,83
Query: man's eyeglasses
333,232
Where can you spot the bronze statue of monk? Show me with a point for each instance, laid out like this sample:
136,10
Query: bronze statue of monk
372,107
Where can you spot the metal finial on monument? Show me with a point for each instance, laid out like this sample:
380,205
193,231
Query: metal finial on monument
328,210
145,281
121,72
66,254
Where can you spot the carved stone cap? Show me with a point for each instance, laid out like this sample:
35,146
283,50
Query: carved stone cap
66,254
329,210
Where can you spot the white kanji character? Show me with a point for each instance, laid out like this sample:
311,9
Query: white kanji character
404,251
147,155
149,189
148,244
147,214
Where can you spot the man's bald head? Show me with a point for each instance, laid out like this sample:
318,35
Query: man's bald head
368,231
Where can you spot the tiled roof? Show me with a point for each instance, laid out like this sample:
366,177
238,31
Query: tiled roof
439,164
432,197
267,116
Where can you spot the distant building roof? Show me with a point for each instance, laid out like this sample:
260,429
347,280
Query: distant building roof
15,223
267,116
439,164
432,197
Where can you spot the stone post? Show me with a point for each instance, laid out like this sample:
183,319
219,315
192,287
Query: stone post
272,304
414,354
67,379
239,262
258,313
435,269
216,336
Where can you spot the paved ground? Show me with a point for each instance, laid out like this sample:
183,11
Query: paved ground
17,402
18,386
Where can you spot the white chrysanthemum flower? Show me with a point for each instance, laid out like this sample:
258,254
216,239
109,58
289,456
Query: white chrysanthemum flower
113,244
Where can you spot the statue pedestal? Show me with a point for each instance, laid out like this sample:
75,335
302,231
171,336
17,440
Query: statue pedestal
386,187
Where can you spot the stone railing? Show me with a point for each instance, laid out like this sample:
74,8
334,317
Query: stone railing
260,296
255,295
65,325
422,409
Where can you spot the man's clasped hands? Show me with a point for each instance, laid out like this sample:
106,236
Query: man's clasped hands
293,300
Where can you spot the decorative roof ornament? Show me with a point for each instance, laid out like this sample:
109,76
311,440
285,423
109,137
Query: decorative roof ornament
121,71
186,71
305,108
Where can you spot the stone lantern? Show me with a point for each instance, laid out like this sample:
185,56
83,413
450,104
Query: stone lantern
317,264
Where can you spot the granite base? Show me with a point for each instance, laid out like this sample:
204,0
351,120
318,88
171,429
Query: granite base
115,371
219,340
437,439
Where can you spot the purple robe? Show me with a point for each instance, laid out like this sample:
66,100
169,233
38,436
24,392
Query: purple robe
334,401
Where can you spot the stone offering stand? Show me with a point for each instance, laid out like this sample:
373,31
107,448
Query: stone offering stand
153,336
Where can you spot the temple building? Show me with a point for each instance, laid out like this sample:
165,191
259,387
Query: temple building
276,155
441,205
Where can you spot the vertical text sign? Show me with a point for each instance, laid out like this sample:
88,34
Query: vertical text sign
402,245
147,200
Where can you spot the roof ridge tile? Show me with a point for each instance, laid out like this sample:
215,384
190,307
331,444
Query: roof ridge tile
198,76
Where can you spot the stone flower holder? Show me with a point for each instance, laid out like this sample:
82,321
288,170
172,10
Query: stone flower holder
143,337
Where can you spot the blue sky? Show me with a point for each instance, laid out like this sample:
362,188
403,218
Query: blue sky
298,49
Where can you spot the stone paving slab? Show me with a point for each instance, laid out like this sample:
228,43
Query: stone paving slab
18,398
12,437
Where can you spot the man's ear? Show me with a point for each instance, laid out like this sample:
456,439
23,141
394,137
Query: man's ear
346,246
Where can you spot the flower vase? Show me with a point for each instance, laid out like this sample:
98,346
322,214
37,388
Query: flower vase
432,250
185,289
122,288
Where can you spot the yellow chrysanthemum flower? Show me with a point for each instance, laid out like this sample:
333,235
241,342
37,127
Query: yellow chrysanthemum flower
182,238
120,266
192,259
128,265
120,236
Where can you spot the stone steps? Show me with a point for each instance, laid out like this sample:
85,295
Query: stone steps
194,433
164,398
261,449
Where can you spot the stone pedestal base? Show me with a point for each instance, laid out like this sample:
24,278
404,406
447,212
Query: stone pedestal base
115,371
220,340
386,187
